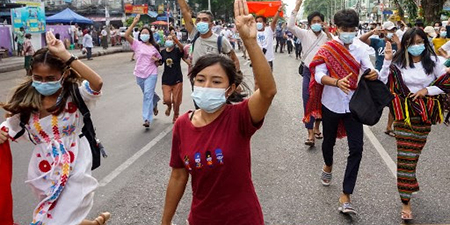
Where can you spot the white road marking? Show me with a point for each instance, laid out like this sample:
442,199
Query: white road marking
380,149
133,158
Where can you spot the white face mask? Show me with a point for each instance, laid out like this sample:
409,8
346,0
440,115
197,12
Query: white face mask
209,99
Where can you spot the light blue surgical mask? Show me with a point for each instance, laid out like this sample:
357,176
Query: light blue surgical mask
316,27
47,88
209,99
145,37
416,50
203,27
259,26
347,37
443,34
169,44
389,35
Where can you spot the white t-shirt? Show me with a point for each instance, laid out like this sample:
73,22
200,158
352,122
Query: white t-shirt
135,34
265,41
446,47
226,33
400,33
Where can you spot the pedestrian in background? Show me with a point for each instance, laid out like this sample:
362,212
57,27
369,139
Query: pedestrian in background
417,78
146,70
28,52
59,171
172,78
20,35
213,142
440,40
87,43
80,38
335,71
104,38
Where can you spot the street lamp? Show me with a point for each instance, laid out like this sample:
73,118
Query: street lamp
209,5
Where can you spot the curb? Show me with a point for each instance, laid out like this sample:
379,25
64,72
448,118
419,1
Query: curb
19,66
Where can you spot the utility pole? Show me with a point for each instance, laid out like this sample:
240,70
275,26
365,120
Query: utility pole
209,5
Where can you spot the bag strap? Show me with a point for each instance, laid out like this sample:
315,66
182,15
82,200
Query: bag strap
81,104
219,44
312,46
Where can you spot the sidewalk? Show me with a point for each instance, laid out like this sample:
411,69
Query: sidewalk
16,62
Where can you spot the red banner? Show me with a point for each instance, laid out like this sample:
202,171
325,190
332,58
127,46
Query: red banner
266,9
136,9
6,202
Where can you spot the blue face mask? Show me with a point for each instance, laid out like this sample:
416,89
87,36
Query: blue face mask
47,88
416,50
209,99
443,34
203,27
145,37
259,26
169,44
389,35
347,37
316,27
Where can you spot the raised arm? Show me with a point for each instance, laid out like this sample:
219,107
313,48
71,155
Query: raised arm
130,29
273,24
186,12
297,31
261,100
366,37
57,48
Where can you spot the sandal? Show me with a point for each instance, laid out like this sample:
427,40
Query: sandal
103,218
318,135
347,208
406,216
146,124
155,110
390,133
326,178
309,142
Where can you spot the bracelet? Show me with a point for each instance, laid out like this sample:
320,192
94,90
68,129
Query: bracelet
337,83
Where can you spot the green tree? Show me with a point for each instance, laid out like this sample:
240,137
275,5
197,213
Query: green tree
325,7
430,11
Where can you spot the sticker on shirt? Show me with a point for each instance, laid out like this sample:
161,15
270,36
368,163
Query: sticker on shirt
219,156
186,163
169,62
209,160
198,160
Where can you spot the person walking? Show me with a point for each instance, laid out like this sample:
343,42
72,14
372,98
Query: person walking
172,78
28,52
311,40
417,78
298,47
265,37
335,72
104,38
279,36
146,70
59,171
20,35
213,142
87,43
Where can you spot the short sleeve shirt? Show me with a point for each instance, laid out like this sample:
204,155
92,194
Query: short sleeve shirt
217,156
145,65
379,44
265,41
172,66
204,46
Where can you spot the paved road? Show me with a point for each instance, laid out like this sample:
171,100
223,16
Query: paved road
285,172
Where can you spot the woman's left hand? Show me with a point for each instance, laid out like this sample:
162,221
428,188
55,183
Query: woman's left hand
56,47
420,94
372,75
245,22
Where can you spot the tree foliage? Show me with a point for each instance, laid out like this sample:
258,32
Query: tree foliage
430,10
323,7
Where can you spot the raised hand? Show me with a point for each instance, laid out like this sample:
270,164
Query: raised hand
299,2
388,51
136,19
245,22
56,47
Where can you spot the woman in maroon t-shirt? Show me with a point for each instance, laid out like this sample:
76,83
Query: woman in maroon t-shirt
212,144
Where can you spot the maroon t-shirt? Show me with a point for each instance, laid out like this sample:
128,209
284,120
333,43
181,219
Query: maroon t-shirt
218,158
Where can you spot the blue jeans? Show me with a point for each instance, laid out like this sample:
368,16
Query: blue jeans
151,99
305,95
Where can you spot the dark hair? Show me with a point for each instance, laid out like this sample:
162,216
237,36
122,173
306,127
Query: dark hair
263,18
314,14
28,35
151,40
438,22
57,36
419,23
227,65
407,40
409,25
346,18
136,29
211,16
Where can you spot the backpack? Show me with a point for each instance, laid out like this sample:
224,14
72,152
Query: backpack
87,131
219,42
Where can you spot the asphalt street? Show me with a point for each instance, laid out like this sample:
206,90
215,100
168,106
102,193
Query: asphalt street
285,172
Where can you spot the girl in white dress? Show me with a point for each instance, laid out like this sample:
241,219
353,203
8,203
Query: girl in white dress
59,171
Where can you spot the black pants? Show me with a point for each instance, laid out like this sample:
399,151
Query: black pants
280,42
88,53
354,129
290,47
298,50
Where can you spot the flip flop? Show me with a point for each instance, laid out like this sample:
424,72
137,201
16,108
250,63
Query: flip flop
309,142
406,216
390,133
318,135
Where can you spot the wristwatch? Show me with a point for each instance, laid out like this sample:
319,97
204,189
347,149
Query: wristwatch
72,58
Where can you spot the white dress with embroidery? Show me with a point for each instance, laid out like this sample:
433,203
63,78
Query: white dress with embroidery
59,172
